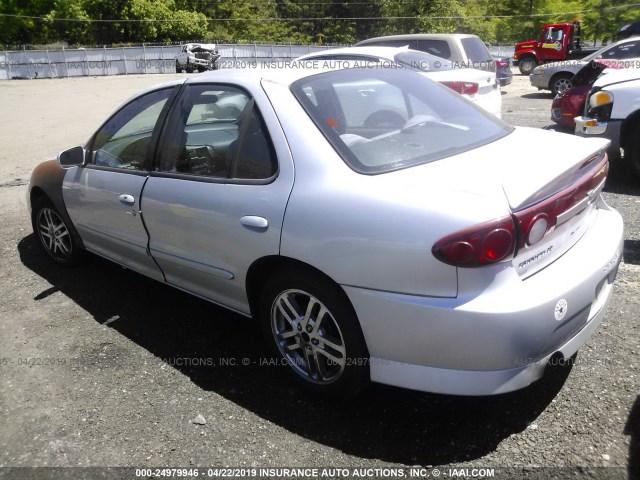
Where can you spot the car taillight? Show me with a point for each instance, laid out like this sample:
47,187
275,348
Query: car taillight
463,88
479,245
535,222
501,63
491,242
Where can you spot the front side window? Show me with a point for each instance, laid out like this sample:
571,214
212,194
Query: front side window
553,34
217,131
381,120
123,141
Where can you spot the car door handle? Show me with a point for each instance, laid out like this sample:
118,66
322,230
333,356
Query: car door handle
253,221
126,198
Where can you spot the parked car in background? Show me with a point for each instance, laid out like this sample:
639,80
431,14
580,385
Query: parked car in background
462,49
436,255
612,111
197,56
557,76
503,70
570,103
479,86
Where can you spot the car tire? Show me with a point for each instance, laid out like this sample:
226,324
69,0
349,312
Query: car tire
312,329
189,68
54,235
632,150
526,65
560,83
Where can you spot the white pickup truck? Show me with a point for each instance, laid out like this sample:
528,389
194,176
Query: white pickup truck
612,110
197,56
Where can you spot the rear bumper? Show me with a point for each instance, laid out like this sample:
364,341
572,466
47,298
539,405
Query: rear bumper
473,382
499,339
490,101
506,80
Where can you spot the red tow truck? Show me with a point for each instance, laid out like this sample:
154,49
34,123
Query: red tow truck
558,41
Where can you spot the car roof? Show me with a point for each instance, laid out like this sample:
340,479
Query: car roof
275,74
281,72
372,51
385,53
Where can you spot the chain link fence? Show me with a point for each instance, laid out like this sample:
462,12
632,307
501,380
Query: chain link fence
78,62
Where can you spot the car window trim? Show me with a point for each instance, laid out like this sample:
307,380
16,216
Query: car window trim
242,131
141,173
219,180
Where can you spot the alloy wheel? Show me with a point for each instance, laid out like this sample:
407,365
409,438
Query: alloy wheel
308,337
54,234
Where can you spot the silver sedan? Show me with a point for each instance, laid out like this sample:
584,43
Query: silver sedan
375,223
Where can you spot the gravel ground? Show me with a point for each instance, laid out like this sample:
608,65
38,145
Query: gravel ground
103,367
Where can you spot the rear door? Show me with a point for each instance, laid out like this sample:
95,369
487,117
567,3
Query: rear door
103,197
215,201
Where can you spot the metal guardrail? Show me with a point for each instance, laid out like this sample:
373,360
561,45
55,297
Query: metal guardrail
29,64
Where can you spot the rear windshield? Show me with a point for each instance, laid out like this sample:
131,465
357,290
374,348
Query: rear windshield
381,120
439,48
422,61
478,54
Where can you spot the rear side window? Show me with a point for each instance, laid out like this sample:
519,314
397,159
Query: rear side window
381,120
478,54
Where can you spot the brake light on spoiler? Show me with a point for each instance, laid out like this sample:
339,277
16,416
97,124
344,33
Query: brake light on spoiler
493,241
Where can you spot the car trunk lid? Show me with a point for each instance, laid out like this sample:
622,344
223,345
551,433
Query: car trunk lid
553,198
560,184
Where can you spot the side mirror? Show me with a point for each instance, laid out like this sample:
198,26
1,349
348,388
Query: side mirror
74,157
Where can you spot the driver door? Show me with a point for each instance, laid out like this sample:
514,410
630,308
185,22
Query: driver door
103,197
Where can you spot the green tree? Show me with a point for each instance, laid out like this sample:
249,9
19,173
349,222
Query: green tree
20,30
68,21
159,21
